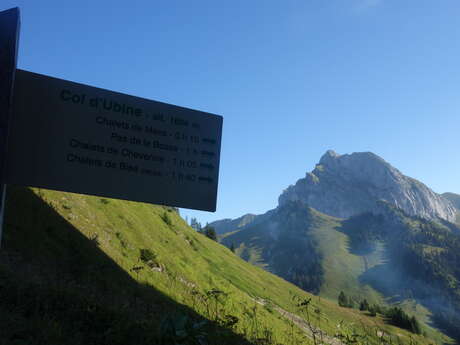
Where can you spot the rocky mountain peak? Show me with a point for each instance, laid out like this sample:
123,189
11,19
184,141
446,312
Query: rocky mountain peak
350,184
329,157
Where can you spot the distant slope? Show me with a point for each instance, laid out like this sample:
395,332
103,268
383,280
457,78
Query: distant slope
308,249
343,268
392,240
326,255
87,270
455,200
227,225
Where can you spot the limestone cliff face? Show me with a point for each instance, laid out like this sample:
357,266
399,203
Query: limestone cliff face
350,184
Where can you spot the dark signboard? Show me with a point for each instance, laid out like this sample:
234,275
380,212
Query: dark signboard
77,138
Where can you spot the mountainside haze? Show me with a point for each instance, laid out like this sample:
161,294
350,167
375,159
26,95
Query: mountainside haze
356,224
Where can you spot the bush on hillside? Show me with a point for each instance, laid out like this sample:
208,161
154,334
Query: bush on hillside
345,301
166,218
148,257
209,232
364,305
399,318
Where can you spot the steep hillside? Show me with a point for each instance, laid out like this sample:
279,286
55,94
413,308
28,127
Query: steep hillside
421,261
86,270
226,225
393,239
388,259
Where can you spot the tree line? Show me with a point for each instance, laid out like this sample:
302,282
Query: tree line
394,315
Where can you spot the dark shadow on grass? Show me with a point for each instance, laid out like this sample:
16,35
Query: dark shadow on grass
361,242
397,286
389,278
59,287
387,281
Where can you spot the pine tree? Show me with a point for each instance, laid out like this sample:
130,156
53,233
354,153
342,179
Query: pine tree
232,247
372,311
195,224
415,326
364,305
343,300
351,303
210,232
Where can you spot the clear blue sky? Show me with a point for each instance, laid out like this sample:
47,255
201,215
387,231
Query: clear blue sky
291,78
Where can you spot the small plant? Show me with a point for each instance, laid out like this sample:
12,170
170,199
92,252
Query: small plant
122,240
217,297
166,218
193,244
269,307
229,320
137,269
104,201
148,257
351,337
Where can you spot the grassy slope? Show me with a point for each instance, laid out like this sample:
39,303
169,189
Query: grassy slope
342,268
225,225
69,258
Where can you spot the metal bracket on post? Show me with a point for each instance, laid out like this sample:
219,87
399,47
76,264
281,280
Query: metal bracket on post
9,37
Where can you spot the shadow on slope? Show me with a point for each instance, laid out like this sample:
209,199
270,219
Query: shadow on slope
388,281
363,233
59,287
399,274
400,288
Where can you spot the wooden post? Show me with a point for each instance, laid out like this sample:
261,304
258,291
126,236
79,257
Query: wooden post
9,37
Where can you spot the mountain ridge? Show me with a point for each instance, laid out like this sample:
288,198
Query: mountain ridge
225,225
382,229
431,205
369,178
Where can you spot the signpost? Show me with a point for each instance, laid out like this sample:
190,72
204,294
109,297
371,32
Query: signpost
77,138
9,34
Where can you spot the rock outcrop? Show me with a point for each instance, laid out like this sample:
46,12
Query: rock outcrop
453,198
350,184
